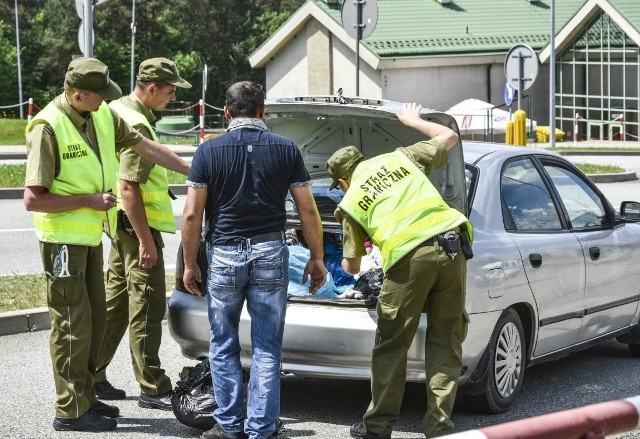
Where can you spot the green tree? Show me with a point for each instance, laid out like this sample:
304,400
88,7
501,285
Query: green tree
219,33
8,74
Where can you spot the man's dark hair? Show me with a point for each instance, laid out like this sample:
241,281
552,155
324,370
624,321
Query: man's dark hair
244,99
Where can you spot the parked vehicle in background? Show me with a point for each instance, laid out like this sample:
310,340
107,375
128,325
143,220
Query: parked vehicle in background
555,267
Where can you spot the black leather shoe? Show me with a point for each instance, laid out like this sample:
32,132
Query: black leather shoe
162,402
87,422
359,431
218,433
105,390
279,431
106,410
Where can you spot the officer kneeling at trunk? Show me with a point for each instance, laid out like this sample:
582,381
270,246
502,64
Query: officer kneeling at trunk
425,245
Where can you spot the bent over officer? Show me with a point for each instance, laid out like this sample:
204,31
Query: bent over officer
136,292
71,172
390,200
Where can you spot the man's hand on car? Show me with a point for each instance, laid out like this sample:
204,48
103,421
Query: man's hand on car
192,279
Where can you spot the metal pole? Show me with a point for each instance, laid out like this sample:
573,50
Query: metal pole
18,58
88,28
360,4
552,78
520,78
133,43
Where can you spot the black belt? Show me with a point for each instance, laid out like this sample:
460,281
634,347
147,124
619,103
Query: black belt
266,237
439,237
258,239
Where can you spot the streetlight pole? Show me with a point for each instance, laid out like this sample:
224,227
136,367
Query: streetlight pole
133,43
88,28
18,58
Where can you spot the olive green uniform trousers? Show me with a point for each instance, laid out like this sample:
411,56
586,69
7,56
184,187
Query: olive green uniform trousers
136,298
424,279
77,310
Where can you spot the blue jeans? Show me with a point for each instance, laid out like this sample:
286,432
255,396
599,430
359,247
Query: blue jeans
257,274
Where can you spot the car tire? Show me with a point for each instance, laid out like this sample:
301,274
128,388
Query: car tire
503,380
634,348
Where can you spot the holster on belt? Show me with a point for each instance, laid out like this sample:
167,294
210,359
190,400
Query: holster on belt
465,244
124,223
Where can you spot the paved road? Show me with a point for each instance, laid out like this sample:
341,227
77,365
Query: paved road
19,252
19,247
310,408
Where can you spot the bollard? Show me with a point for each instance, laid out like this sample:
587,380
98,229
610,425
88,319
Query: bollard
520,127
621,128
576,127
509,133
30,110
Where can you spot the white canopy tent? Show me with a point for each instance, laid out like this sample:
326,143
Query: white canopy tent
476,117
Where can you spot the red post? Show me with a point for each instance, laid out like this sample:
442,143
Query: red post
621,128
30,111
589,422
201,121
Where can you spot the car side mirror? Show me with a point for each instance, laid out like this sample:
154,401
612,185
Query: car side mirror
630,211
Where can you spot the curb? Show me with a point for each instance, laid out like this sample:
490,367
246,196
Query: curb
613,178
34,319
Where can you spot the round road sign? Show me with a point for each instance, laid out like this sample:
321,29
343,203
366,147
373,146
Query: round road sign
521,59
350,17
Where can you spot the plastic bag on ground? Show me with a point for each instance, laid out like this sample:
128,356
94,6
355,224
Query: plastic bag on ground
193,402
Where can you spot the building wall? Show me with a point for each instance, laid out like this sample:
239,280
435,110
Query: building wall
316,63
319,59
286,74
344,73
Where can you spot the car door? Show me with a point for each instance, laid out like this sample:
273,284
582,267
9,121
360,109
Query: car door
552,256
610,250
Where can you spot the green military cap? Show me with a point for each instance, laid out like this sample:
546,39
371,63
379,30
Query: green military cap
92,75
161,70
342,162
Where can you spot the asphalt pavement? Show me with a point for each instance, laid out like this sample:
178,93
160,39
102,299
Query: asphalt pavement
310,408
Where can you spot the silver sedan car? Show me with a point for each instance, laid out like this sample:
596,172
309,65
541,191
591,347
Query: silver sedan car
555,266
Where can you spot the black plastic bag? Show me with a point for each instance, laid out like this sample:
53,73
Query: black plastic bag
370,282
193,402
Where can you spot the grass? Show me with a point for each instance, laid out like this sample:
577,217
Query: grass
26,291
12,131
592,149
590,168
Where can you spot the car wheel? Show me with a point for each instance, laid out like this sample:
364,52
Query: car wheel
503,381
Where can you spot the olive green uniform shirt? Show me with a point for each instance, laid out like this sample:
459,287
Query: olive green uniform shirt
43,159
428,155
133,167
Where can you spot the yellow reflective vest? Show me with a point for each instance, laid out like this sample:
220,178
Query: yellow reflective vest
394,201
81,172
155,192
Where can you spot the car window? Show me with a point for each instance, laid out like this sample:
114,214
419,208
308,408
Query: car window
528,204
582,203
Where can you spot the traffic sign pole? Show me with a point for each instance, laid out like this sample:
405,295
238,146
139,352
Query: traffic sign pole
358,38
359,18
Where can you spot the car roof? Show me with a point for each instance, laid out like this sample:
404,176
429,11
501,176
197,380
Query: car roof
476,151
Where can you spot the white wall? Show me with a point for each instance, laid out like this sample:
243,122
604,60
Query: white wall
344,72
286,74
